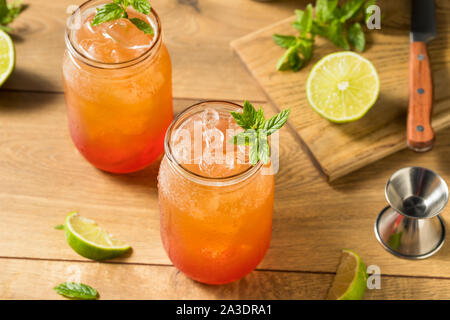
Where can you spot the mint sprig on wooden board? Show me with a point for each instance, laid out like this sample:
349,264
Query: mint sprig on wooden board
341,24
9,12
118,9
76,290
257,129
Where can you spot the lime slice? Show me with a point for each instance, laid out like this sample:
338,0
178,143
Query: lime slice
350,281
342,86
91,241
7,56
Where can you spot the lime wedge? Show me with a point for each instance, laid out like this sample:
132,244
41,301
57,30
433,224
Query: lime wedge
7,56
350,281
342,86
91,241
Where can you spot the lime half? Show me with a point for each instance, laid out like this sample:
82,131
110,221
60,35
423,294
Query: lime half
91,241
350,281
342,86
7,56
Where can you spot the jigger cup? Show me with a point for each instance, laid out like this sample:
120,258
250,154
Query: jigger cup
410,227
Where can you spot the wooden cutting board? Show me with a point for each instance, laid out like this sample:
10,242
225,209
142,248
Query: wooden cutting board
339,149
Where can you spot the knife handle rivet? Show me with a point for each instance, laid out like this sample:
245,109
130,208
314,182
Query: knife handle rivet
421,57
419,128
420,91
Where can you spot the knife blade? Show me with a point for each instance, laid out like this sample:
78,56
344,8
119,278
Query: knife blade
420,134
423,21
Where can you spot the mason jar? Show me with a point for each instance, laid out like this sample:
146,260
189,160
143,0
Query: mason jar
118,89
216,219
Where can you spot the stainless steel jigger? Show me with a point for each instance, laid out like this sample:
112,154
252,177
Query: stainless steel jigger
410,227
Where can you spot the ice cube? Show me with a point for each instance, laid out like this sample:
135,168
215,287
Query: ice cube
213,138
210,118
242,155
181,146
212,151
126,35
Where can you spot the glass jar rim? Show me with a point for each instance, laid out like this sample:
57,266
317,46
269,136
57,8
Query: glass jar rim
110,65
204,180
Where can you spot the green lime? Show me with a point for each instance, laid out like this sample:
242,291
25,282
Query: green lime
91,241
342,86
350,281
7,56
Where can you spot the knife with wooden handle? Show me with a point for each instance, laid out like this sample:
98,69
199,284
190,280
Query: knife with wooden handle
420,134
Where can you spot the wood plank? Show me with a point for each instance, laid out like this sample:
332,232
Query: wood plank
44,177
119,281
198,40
343,148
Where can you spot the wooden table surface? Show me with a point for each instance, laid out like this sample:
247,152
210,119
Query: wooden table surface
43,177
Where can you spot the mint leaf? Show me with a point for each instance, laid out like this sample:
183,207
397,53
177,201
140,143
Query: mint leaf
239,120
118,9
299,14
276,122
356,37
260,119
249,114
246,119
350,9
142,6
142,25
9,12
4,11
263,148
307,19
339,23
290,60
337,36
304,20
284,41
295,61
242,138
306,48
108,12
325,9
253,152
320,29
59,227
74,290
257,130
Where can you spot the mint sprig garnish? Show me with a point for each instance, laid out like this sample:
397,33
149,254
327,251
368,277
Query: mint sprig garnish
118,9
341,24
257,129
75,290
9,12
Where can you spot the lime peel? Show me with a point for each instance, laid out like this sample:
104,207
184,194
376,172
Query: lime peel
86,238
7,56
350,281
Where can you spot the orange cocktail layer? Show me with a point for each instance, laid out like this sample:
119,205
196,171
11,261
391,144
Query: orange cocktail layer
215,235
118,117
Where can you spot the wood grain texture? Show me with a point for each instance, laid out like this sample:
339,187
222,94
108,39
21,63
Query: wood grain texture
197,39
343,148
118,281
44,177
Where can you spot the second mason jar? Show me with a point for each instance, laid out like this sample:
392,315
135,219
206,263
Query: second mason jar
216,217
